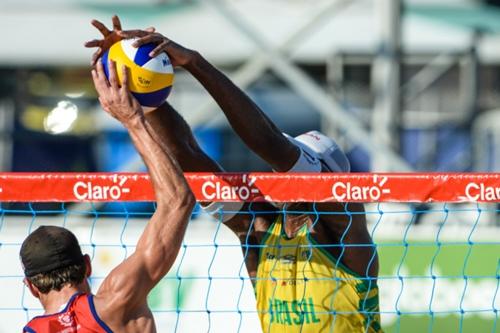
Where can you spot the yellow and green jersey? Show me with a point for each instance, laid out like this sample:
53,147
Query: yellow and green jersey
301,287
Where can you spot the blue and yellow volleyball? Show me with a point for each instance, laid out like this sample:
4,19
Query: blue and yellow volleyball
150,79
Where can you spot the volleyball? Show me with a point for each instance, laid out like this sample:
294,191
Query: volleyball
150,79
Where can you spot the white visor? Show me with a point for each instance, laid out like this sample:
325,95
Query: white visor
316,145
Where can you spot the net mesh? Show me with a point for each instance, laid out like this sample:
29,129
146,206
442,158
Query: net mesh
439,257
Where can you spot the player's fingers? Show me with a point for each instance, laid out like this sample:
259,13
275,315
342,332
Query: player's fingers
94,76
98,82
132,33
125,78
93,43
150,29
101,27
95,57
117,25
151,38
98,71
159,49
125,92
113,76
101,75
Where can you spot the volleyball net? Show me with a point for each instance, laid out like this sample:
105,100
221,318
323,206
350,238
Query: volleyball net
437,237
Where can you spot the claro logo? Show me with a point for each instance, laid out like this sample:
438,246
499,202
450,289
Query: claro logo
86,190
214,190
481,192
343,191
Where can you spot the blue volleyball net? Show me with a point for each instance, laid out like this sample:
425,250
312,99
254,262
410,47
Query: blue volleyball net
439,258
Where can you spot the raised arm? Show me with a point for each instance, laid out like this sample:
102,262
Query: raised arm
123,293
258,132
170,127
251,124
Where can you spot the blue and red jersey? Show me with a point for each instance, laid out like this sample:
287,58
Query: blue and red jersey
79,315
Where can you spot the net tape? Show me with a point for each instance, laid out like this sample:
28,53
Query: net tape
462,282
256,187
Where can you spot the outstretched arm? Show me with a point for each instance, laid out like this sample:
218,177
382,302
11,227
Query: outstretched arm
174,132
169,126
252,125
125,289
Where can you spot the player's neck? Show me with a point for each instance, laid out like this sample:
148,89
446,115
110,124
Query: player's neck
54,301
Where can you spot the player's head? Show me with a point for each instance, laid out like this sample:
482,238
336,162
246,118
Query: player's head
319,153
52,258
317,145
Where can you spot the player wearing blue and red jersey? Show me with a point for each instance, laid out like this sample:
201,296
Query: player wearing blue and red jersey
55,269
78,315
311,272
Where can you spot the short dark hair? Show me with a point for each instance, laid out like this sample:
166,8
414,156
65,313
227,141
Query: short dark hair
58,278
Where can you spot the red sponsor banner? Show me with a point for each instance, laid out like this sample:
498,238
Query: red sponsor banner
275,187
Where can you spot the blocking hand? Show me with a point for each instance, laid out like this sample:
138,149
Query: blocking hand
115,97
110,37
179,55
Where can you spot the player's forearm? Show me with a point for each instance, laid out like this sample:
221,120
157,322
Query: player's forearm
169,183
161,240
243,114
175,133
257,131
131,281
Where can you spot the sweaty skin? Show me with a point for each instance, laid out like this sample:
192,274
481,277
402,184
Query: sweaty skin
121,301
265,139
347,226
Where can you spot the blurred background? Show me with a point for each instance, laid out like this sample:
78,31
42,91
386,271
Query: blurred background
401,85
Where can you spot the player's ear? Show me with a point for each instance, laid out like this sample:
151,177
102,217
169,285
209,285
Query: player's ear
88,266
33,289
